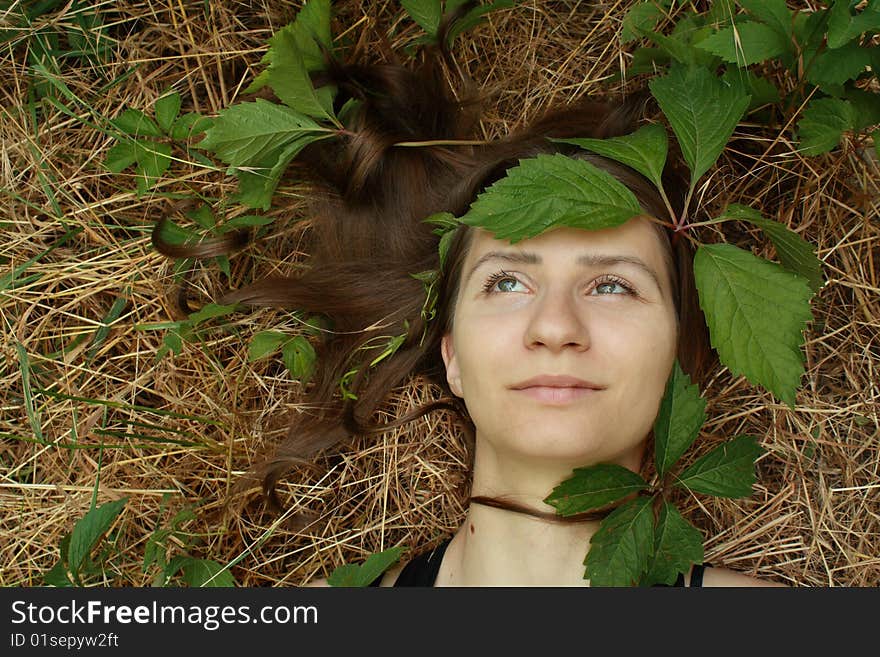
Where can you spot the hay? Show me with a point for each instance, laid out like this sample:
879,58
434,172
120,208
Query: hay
178,432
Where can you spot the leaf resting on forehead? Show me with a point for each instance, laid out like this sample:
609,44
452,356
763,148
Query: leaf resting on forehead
550,191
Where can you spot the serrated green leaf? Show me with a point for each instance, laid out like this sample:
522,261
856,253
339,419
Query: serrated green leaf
89,529
644,150
363,575
264,343
681,415
201,572
243,134
823,123
167,109
647,60
677,545
289,77
834,67
795,253
641,17
843,27
190,125
57,576
137,124
210,311
593,487
426,13
726,471
121,156
550,191
703,112
674,48
746,43
622,547
203,216
774,13
756,312
299,358
865,104
154,158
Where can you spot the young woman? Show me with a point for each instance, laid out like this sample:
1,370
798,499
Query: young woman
554,352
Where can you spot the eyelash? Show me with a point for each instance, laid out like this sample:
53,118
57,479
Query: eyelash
502,275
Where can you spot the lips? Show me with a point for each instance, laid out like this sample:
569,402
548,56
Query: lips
557,390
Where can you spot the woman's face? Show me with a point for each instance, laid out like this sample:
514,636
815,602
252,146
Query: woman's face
593,305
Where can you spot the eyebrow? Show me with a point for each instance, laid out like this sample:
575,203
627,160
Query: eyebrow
585,260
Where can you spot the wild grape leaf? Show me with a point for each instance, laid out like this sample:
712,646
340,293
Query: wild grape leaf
299,358
681,415
549,191
167,109
426,13
364,574
746,43
756,311
834,67
641,16
726,471
677,545
644,150
823,123
593,487
622,547
774,13
703,112
89,529
244,133
795,253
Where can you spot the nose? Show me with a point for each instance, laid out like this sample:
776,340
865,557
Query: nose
557,323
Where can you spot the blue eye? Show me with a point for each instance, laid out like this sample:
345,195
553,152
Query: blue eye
504,282
611,281
500,277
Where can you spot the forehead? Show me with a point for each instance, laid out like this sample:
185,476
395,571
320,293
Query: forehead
637,237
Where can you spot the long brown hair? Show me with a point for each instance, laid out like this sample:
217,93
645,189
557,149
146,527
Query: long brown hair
369,197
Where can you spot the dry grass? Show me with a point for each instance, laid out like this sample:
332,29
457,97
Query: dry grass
183,428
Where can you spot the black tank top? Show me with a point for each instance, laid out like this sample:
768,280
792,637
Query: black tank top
422,570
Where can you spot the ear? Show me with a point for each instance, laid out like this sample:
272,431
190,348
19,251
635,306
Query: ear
453,373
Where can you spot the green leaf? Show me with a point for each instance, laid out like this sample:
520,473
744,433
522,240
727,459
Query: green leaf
299,358
246,221
843,27
258,183
726,471
243,134
703,112
264,343
593,487
681,415
644,150
865,104
137,124
210,311
875,137
746,83
746,43
622,547
289,78
57,576
795,253
641,17
154,158
203,216
550,191
426,13
201,572
756,312
677,545
89,529
834,67
353,575
167,108
774,13
823,123
154,550
121,156
190,125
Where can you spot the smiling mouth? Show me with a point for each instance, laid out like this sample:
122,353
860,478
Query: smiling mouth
556,396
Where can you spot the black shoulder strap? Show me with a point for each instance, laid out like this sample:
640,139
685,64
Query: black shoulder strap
697,574
422,569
